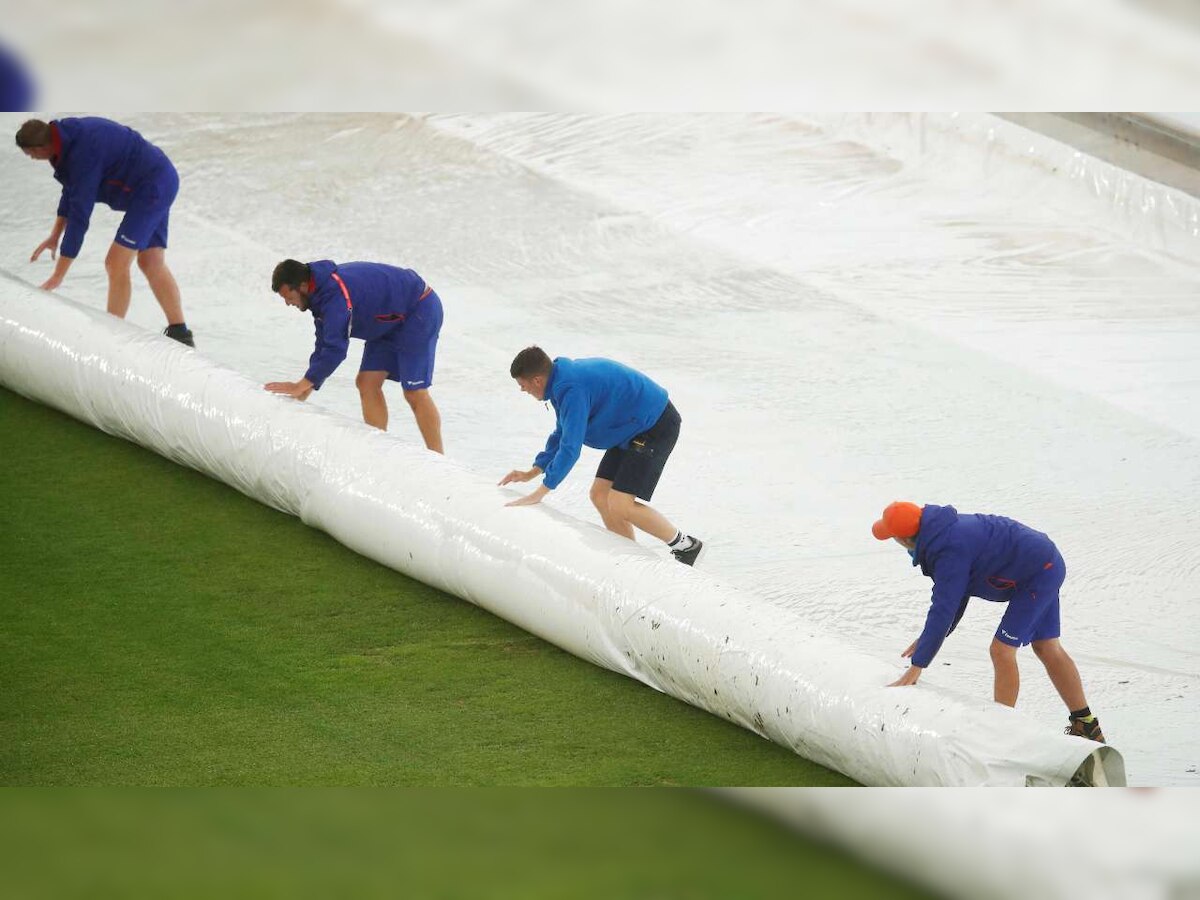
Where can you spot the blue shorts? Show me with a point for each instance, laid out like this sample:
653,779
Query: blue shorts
1033,612
406,352
145,222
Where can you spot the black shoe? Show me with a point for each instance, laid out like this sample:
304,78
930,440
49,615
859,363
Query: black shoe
689,556
182,334
1090,730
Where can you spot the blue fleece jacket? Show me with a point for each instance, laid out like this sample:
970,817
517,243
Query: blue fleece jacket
598,402
356,299
972,556
98,161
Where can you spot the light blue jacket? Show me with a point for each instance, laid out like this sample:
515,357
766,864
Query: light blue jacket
600,403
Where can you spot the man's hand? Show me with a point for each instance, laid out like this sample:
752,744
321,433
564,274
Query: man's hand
298,389
51,244
907,654
59,273
909,677
531,499
521,475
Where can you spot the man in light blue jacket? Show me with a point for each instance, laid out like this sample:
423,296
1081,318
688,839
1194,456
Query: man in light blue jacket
611,407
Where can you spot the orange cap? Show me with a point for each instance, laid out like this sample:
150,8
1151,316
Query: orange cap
900,519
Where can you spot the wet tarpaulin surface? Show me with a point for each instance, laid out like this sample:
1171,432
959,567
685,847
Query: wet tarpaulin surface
602,597
846,311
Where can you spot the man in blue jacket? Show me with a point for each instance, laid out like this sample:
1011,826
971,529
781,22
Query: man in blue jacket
392,309
613,408
996,559
100,161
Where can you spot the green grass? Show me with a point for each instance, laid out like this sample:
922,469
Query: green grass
158,628
449,843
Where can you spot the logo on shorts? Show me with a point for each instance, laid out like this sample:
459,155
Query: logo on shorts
126,238
1011,637
411,383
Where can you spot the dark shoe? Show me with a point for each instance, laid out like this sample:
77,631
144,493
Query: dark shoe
182,334
689,556
1090,730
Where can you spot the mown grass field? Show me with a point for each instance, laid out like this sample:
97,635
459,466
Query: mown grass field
158,628
451,843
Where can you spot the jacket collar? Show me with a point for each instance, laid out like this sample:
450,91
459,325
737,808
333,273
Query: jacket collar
56,145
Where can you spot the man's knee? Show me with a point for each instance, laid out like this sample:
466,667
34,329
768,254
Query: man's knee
1002,652
620,504
150,262
370,382
1047,649
599,495
118,260
417,399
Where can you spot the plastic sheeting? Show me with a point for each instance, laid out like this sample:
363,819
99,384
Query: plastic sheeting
941,307
846,309
1007,845
604,599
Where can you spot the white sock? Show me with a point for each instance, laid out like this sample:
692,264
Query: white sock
682,541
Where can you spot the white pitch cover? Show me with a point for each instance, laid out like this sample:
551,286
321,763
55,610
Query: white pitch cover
614,603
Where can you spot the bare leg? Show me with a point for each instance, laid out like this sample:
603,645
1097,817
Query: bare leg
374,405
153,263
600,495
1008,678
429,420
120,287
627,509
1062,671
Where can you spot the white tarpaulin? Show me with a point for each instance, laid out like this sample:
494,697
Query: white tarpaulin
1005,845
846,310
610,601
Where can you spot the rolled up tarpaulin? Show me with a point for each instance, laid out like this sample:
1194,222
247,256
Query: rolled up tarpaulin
1007,845
601,597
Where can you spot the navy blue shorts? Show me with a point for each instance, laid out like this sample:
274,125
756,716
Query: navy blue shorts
406,352
145,222
636,469
1033,611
